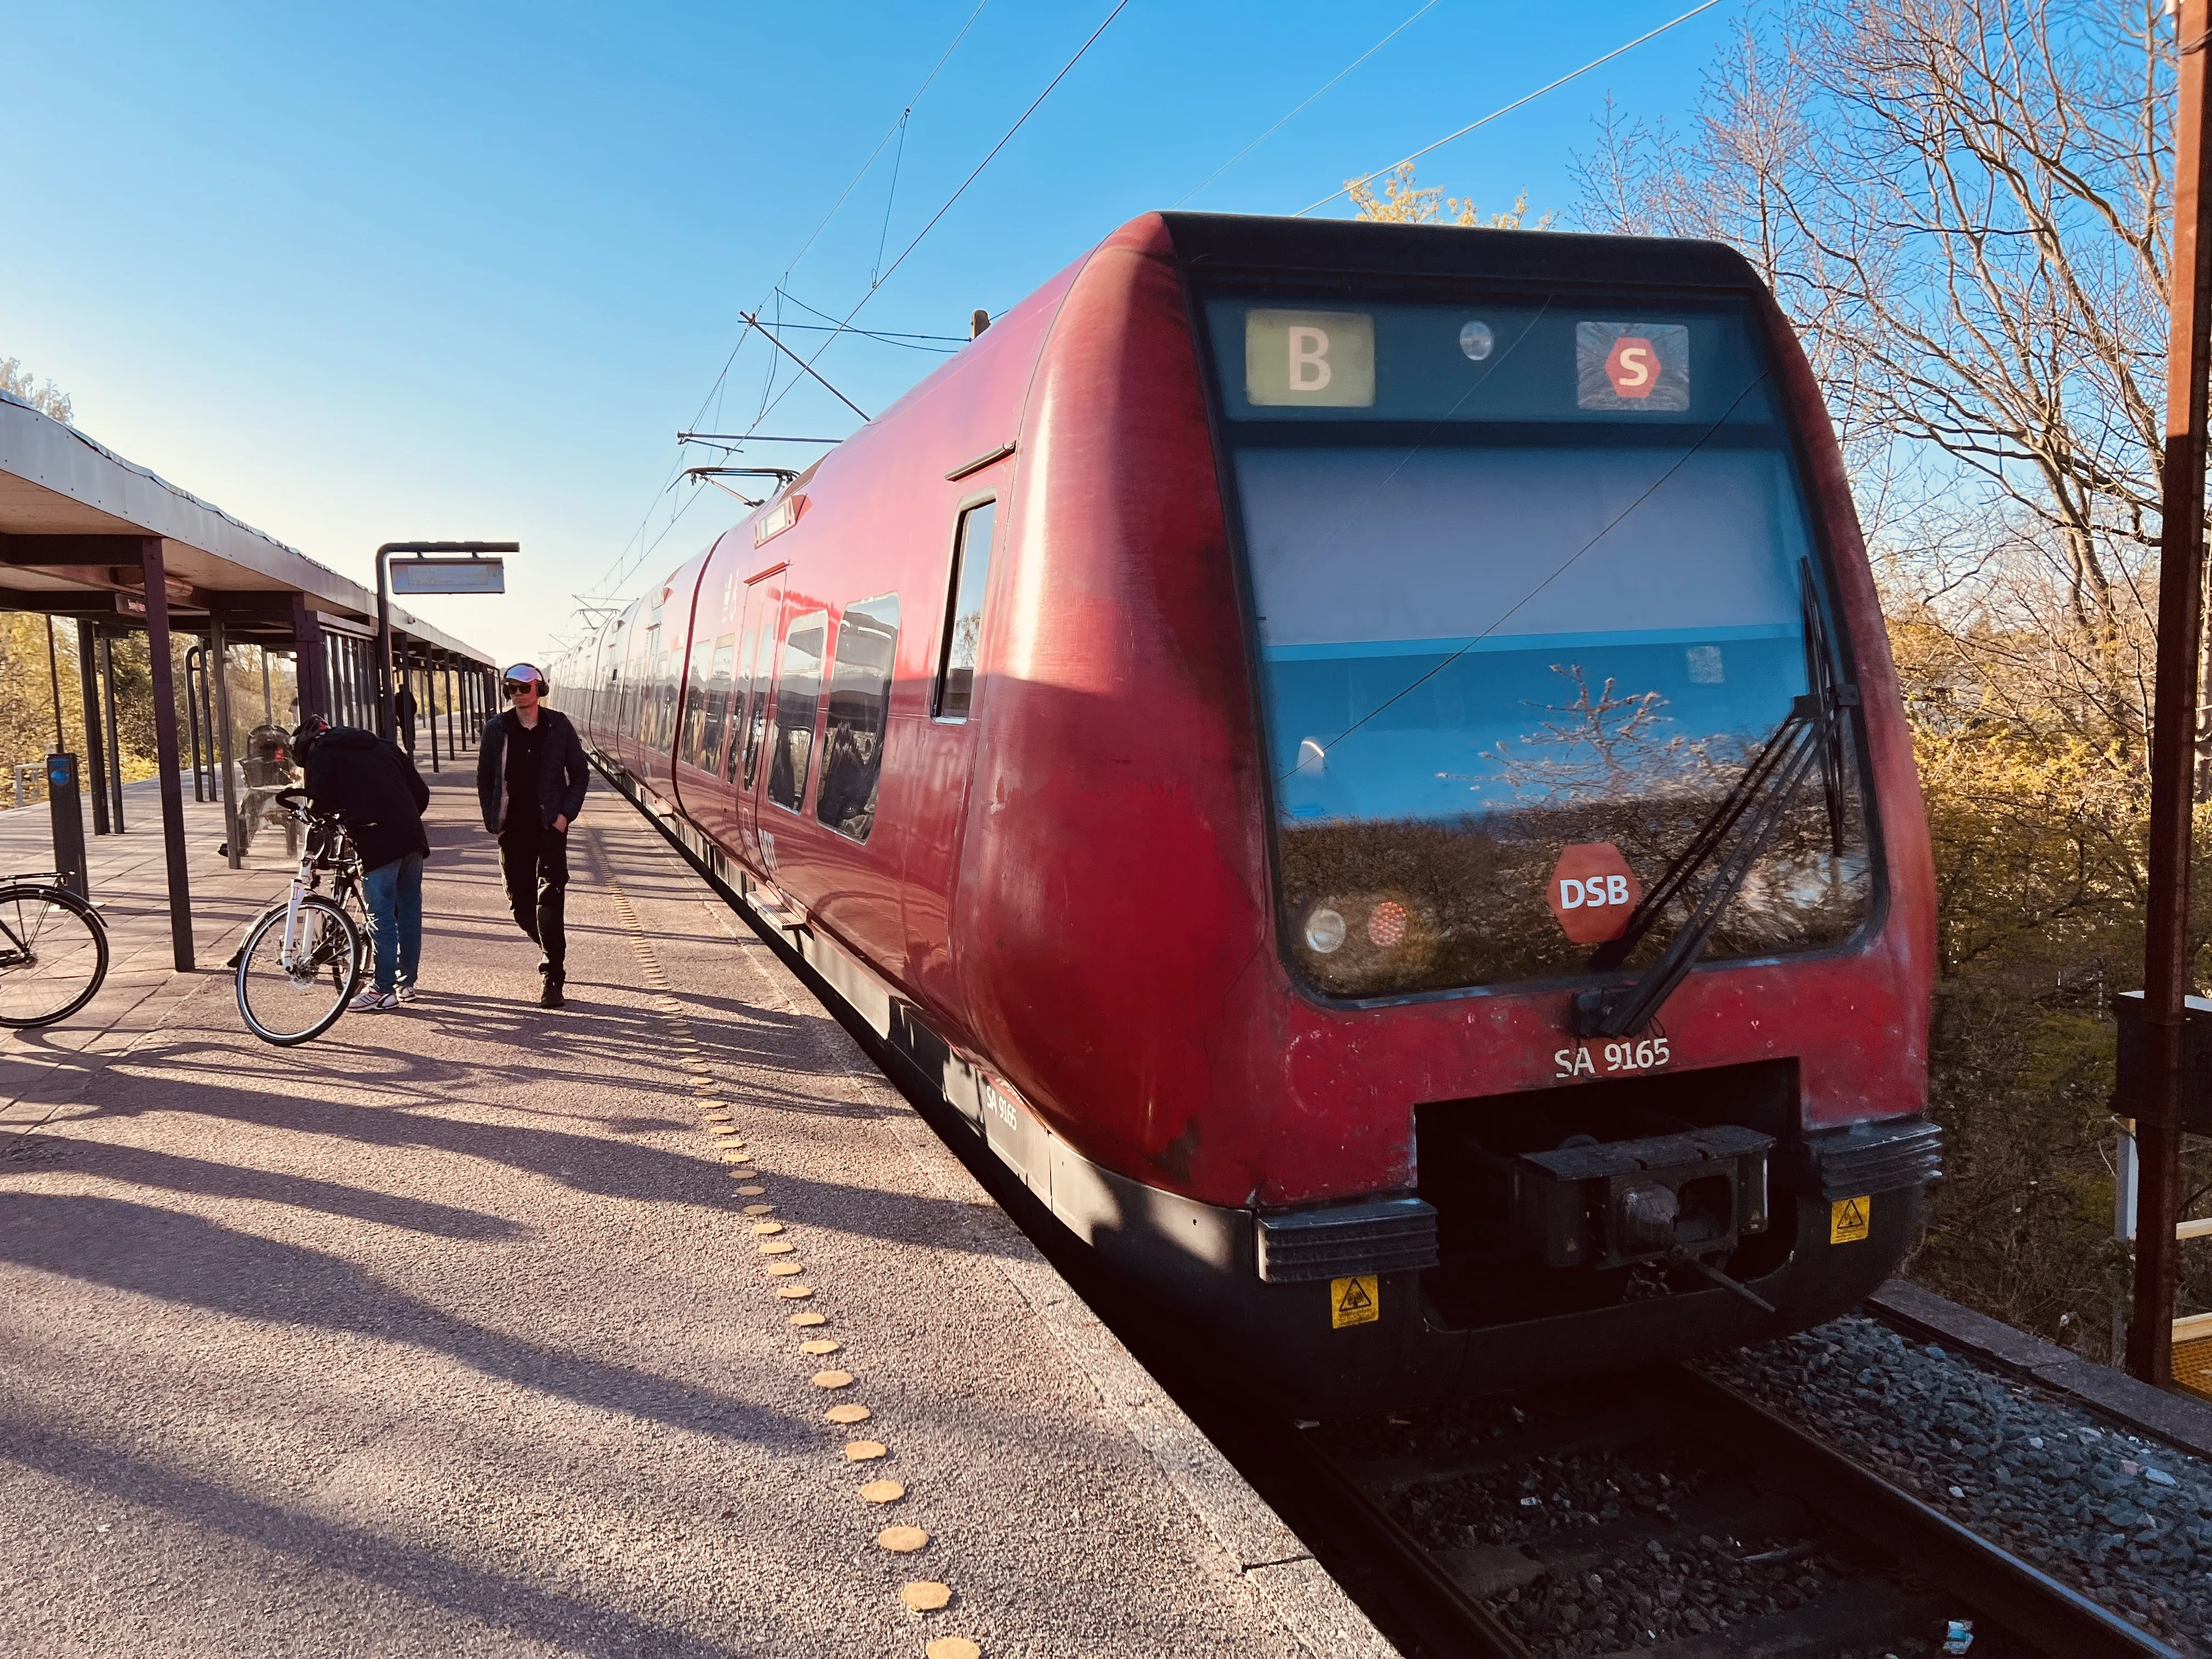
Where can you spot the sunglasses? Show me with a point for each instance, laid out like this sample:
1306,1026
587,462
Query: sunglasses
512,687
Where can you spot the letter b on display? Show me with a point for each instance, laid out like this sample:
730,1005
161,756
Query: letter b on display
1324,359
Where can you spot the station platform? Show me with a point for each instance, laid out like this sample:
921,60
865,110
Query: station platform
467,1328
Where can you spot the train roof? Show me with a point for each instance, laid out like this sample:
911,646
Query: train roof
1353,247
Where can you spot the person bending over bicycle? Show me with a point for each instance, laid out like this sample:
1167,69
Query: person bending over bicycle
371,785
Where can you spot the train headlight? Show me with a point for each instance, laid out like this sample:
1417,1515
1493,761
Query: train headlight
1475,339
1644,1218
1324,930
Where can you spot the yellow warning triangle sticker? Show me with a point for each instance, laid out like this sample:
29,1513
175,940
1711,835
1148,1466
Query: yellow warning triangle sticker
1354,1300
1847,1219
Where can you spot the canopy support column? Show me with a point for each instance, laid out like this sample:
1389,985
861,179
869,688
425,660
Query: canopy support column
219,666
166,756
95,747
114,731
192,712
308,660
430,700
54,677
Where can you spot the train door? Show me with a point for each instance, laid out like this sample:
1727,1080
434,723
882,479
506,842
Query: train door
714,691
762,627
948,660
637,669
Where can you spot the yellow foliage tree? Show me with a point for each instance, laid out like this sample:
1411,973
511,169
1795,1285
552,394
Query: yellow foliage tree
1405,201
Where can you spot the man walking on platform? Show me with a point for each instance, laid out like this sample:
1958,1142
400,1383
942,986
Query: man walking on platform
374,789
531,778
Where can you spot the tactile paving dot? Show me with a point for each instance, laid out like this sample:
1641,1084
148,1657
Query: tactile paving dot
926,1595
777,1247
794,1292
833,1379
952,1647
902,1541
767,1229
783,1270
820,1344
865,1451
758,1209
722,1129
809,1317
736,1155
884,1492
845,1414
750,1192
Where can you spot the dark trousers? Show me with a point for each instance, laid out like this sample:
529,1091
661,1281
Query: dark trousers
534,864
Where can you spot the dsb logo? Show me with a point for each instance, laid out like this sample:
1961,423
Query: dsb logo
1596,891
1593,892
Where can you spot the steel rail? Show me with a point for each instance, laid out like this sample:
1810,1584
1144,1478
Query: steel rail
2028,1604
2049,1616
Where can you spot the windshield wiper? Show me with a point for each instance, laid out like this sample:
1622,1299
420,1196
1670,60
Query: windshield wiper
1814,733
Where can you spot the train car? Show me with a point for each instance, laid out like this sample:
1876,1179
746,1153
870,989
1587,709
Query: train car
1365,759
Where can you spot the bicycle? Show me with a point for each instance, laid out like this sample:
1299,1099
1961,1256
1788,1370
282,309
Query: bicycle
54,950
303,958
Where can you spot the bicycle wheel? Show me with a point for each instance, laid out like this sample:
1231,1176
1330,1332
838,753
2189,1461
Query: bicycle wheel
287,1000
53,954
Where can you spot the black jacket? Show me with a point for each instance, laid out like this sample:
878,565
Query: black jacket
374,787
563,775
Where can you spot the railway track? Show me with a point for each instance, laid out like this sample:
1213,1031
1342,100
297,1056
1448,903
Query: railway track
1666,1514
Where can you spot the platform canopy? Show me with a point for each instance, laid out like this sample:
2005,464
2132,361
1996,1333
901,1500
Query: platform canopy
88,535
73,513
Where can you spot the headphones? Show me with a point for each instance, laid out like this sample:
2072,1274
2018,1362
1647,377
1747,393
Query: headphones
522,673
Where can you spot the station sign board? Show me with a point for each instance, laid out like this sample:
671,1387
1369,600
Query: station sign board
469,575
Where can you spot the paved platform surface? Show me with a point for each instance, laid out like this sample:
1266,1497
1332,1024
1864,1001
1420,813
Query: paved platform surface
450,1333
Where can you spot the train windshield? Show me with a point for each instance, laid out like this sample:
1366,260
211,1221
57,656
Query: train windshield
1532,583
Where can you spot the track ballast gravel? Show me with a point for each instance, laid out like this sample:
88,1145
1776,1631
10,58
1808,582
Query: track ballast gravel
2126,1521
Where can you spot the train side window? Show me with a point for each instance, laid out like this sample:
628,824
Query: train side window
670,683
695,701
960,647
797,697
741,682
648,672
859,714
703,729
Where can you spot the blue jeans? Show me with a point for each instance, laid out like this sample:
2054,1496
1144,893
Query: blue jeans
394,892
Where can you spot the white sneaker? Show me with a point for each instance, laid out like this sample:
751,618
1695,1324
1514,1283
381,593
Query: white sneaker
374,1001
406,993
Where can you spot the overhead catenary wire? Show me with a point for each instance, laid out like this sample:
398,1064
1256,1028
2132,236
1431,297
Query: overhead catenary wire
890,196
845,322
1353,184
808,367
892,335
1430,5
623,562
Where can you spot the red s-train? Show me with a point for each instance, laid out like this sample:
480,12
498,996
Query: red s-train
1365,757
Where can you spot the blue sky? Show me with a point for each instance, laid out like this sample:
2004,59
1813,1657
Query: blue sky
463,270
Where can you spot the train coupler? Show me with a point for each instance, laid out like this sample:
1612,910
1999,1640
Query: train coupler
1615,1204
